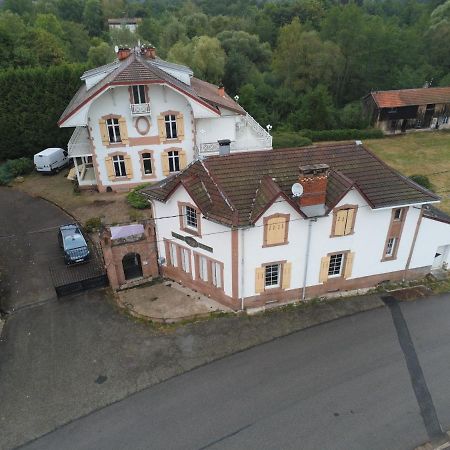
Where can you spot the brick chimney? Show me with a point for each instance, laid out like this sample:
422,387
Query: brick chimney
123,53
314,179
221,90
148,51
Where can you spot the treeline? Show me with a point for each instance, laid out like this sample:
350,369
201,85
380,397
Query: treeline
31,103
296,64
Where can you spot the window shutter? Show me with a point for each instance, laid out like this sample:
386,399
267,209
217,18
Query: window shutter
183,162
324,266
275,230
123,130
339,227
349,265
128,166
110,168
165,163
349,222
162,128
260,275
103,131
286,280
180,126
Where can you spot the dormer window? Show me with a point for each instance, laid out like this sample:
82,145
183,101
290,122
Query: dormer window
139,96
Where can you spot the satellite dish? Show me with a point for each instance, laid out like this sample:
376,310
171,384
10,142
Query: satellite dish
116,48
297,190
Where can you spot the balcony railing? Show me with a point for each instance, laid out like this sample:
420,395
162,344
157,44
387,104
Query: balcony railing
235,146
140,109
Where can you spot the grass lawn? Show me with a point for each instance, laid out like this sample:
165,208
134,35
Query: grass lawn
422,153
112,207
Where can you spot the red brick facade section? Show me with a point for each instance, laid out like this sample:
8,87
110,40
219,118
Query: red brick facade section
113,254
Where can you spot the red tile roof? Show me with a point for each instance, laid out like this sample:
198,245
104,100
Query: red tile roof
136,69
411,97
237,188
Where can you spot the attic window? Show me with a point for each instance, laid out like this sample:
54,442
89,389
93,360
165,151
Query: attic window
139,96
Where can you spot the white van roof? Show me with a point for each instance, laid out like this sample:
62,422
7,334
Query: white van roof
49,151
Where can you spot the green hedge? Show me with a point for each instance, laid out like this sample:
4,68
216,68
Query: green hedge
284,139
287,139
31,103
341,135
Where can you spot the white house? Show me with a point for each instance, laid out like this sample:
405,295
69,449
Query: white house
141,119
124,23
230,227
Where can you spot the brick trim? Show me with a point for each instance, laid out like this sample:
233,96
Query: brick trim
209,283
113,144
335,212
341,286
395,230
183,227
145,176
268,292
287,218
147,126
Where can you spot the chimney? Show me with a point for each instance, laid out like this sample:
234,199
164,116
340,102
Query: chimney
148,51
224,147
314,179
221,90
123,53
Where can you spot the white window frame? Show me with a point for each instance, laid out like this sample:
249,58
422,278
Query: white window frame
190,217
149,159
268,274
170,122
174,161
120,169
185,260
113,127
203,268
332,271
138,92
390,246
173,254
216,269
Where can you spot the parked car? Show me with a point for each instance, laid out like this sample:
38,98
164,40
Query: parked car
73,243
51,160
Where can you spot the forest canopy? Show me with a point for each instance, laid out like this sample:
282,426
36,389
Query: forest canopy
296,64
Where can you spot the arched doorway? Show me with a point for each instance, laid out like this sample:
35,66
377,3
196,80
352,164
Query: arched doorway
132,267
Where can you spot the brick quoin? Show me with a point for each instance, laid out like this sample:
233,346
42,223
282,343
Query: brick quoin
114,251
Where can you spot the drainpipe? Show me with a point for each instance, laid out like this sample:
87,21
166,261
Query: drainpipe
242,269
308,245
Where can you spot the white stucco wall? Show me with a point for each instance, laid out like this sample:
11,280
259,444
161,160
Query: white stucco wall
213,235
432,235
367,243
117,101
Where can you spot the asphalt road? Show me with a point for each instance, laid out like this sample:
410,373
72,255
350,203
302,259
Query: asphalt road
28,244
340,385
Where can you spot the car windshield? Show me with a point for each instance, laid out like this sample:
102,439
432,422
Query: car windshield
74,241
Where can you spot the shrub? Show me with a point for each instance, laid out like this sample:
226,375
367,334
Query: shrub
290,139
5,175
136,199
93,224
423,180
13,168
20,166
